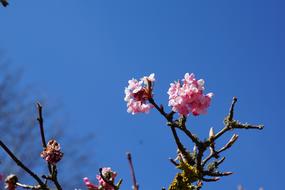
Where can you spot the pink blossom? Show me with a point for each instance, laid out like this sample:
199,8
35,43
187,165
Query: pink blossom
90,185
187,96
52,153
138,93
105,180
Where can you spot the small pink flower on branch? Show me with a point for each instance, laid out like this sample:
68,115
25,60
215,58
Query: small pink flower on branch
89,185
187,96
105,180
138,93
52,153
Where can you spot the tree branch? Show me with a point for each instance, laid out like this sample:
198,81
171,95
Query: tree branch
20,164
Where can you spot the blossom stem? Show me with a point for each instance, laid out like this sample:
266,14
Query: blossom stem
172,125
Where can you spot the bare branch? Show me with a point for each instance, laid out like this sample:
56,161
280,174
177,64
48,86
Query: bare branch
135,185
20,164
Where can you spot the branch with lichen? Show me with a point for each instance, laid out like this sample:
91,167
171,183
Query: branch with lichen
194,167
187,98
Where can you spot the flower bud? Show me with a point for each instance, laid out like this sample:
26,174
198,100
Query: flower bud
211,133
10,182
52,153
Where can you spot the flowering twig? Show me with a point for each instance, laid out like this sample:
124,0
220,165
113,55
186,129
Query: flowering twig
106,180
52,168
204,145
135,185
185,98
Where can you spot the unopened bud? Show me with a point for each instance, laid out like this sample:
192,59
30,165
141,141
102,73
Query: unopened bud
211,133
232,140
216,178
10,182
227,173
52,153
195,149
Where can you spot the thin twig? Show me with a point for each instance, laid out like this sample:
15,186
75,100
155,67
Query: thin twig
217,174
230,124
41,124
42,132
191,136
211,179
132,170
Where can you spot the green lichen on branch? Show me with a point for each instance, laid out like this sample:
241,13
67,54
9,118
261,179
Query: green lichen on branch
182,182
196,168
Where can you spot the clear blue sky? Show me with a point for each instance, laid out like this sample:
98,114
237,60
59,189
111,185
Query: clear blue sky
84,52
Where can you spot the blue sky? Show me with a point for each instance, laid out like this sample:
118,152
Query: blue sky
82,53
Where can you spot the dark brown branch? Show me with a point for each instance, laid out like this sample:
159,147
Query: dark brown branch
54,178
216,153
173,162
190,135
160,110
230,124
202,146
42,132
217,174
228,120
132,170
231,112
237,125
169,118
229,144
220,161
41,124
211,179
20,164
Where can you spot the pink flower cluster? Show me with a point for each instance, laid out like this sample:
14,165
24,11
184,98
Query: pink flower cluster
187,97
52,153
138,93
105,180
